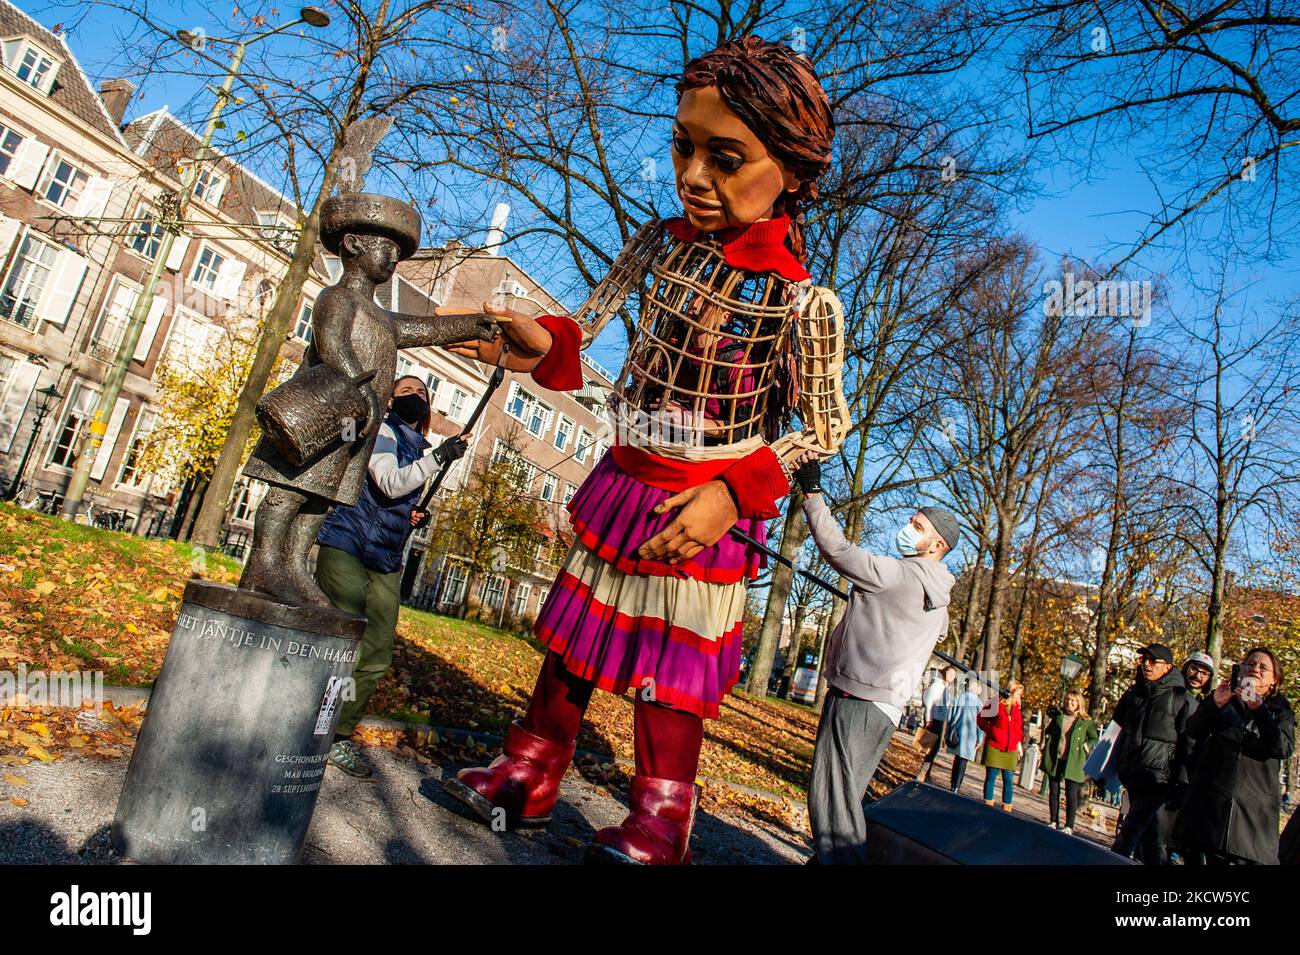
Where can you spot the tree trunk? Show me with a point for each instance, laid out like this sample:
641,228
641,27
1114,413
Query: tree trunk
997,596
792,652
196,502
793,534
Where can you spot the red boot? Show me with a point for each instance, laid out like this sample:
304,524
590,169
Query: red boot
658,829
524,780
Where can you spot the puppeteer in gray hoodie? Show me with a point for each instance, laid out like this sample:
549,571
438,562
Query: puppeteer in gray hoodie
898,611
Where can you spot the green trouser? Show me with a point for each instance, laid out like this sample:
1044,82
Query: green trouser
356,589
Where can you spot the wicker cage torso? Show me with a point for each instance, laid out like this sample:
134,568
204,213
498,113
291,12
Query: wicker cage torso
711,364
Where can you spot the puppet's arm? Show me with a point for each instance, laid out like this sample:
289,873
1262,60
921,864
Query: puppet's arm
758,480
819,353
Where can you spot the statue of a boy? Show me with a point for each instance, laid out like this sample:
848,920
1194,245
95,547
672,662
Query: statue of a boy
342,404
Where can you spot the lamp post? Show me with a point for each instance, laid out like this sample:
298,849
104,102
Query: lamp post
1070,667
49,394
171,213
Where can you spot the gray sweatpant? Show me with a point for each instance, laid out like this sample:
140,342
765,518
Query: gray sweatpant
851,738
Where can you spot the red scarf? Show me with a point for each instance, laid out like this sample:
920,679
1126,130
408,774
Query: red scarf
757,247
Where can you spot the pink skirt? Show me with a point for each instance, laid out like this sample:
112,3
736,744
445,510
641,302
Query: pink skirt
672,633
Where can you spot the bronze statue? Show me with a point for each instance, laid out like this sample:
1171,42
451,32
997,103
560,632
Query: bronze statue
319,427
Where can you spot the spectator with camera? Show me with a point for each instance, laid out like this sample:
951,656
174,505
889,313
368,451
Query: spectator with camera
1244,730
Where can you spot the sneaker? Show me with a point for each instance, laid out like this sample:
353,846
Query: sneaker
346,756
1068,830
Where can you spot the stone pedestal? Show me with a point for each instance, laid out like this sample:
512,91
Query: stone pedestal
232,752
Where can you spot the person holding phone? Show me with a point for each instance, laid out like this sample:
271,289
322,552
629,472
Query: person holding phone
1231,813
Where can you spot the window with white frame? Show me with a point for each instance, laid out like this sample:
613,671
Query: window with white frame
9,143
569,491
541,598
145,237
190,339
584,445
453,591
563,432
519,602
245,498
207,267
550,485
523,469
528,408
302,330
63,183
130,475
26,281
114,316
34,66
493,591
77,413
459,409
209,185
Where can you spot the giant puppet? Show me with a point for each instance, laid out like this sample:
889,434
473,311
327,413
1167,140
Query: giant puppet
733,338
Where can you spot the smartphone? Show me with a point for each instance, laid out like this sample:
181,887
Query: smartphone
1236,676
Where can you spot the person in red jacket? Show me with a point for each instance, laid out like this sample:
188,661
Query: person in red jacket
1004,733
732,339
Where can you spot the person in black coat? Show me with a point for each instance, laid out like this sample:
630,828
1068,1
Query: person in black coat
1152,753
1232,810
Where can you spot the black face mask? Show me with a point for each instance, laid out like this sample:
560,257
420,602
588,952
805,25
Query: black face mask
411,408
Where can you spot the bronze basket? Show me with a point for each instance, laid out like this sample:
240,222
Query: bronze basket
313,410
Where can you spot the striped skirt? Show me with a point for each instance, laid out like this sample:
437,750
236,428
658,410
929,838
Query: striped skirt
672,633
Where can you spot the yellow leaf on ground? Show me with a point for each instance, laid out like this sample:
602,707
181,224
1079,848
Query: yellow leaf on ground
161,593
40,728
13,779
18,802
108,751
40,753
10,760
44,587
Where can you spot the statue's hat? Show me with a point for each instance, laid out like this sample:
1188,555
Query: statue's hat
369,214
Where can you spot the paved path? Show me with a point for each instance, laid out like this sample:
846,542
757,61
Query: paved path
400,815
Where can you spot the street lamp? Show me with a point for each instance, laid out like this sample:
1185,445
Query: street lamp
1071,665
171,223
49,394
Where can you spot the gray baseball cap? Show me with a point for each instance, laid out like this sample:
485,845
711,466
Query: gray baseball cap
1204,659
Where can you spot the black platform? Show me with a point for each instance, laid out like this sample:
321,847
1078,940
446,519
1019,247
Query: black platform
918,824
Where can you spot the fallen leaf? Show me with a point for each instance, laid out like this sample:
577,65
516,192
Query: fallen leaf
18,802
13,779
41,753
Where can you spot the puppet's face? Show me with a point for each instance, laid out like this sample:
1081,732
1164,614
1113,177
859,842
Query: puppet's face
724,175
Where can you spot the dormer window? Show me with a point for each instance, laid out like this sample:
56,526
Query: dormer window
30,63
209,186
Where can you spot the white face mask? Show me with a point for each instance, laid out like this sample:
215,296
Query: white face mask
908,540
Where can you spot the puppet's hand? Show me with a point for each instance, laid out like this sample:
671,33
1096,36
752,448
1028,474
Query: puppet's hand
515,352
526,336
707,512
